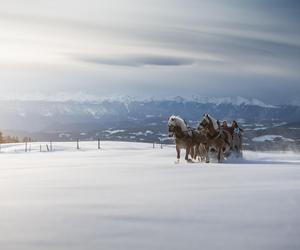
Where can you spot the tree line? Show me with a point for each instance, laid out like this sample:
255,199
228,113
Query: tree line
13,139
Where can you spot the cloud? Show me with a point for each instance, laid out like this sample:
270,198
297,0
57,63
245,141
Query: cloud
249,48
138,60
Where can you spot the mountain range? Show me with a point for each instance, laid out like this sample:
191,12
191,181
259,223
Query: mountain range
89,118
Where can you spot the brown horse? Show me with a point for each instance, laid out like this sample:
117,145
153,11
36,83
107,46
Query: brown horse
218,138
185,137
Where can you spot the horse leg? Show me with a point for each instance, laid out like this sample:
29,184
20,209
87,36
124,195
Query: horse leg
188,148
219,155
222,155
207,154
198,152
192,151
201,155
178,153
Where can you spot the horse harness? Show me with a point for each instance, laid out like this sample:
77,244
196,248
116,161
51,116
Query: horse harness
185,134
218,134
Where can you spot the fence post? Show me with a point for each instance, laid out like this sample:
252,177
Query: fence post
99,143
161,143
50,145
47,147
26,146
153,144
77,143
40,148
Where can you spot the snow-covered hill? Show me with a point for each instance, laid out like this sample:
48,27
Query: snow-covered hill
131,196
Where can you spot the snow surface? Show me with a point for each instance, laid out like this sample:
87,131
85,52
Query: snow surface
260,128
131,196
148,132
114,131
271,138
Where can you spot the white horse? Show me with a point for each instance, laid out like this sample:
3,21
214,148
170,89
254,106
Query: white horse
176,121
183,136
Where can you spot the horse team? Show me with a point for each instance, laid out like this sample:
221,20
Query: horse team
208,137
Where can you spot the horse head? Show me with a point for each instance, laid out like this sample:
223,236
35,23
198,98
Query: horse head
208,122
175,123
204,123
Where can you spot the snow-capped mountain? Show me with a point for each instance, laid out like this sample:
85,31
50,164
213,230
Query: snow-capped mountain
86,114
81,97
126,118
235,101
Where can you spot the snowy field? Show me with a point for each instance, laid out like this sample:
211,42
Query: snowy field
131,196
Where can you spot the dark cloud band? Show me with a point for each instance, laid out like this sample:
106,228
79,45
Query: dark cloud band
138,60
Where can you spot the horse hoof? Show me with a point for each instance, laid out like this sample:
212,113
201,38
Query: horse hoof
177,161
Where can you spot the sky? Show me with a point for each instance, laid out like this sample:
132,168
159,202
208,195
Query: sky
151,48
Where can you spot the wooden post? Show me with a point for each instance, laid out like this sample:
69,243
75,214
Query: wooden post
26,146
99,143
40,148
47,147
77,143
161,143
153,144
51,145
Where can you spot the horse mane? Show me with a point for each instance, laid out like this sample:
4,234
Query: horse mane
214,122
